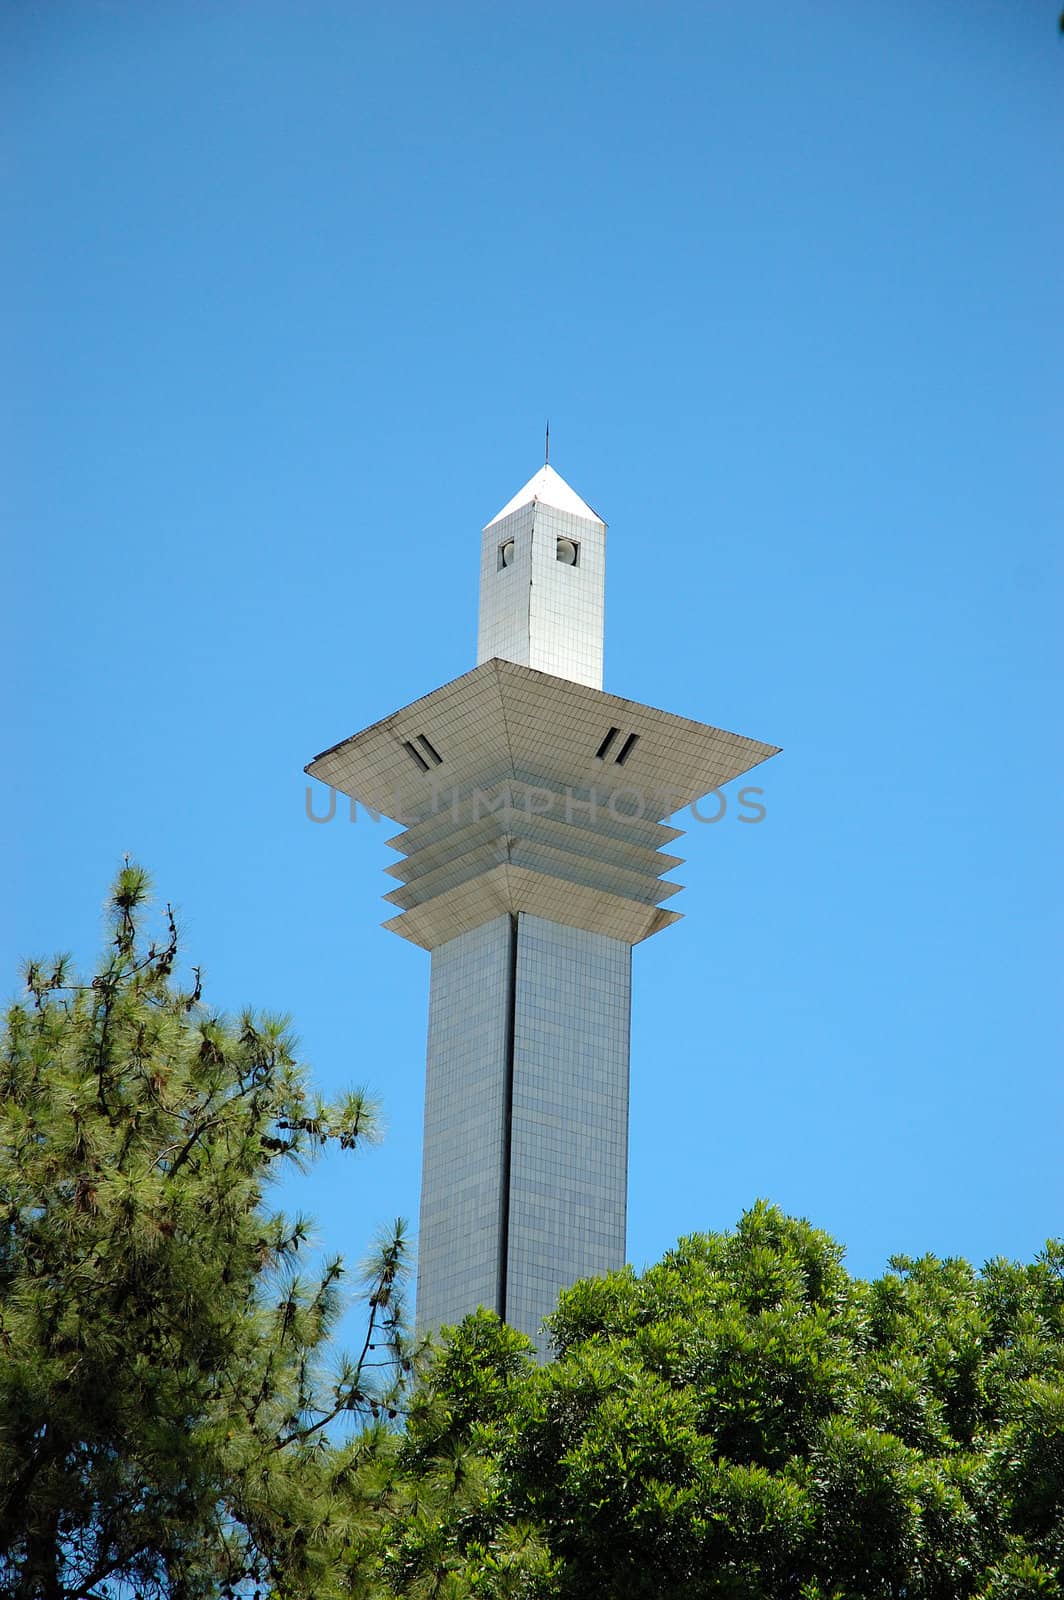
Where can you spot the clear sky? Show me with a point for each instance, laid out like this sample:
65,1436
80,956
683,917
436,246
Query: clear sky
290,291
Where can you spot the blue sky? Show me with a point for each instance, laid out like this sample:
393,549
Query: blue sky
295,287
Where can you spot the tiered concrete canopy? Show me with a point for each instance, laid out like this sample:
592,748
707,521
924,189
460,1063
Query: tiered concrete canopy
526,792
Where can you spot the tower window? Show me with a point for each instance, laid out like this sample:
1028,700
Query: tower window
506,554
568,551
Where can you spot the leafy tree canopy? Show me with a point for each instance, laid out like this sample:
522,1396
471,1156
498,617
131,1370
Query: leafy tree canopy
745,1420
168,1418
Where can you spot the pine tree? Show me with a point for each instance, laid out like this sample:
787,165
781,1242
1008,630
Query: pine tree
169,1426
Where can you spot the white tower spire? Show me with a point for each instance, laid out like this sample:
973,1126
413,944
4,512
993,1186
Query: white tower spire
543,581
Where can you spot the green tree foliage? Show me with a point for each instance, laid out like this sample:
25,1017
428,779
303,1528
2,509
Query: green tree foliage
168,1423
744,1421
747,1421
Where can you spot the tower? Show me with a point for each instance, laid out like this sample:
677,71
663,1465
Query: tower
533,809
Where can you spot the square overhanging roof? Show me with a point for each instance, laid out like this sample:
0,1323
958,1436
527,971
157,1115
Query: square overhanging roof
504,721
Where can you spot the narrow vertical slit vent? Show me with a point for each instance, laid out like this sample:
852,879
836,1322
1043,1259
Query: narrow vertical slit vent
626,748
430,750
415,756
600,753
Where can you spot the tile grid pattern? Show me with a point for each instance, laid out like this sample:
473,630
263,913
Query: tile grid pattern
466,1090
502,719
511,888
502,629
569,1149
566,1145
538,611
567,603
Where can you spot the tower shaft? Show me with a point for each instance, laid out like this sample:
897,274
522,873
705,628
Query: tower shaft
526,1119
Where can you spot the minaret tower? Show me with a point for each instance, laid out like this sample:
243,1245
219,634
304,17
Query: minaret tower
533,807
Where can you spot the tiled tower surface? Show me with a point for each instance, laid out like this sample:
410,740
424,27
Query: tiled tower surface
569,1122
526,1132
534,608
467,1097
533,808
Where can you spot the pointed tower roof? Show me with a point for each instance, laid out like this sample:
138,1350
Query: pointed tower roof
550,489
